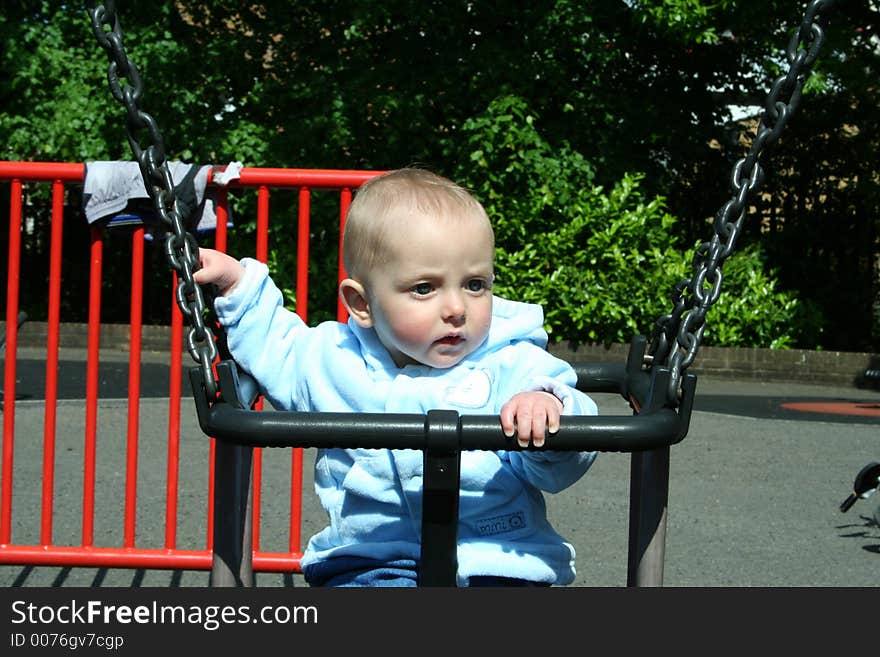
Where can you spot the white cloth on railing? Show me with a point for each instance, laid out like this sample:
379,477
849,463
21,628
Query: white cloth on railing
114,188
231,172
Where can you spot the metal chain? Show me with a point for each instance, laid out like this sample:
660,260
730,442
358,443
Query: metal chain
676,335
181,248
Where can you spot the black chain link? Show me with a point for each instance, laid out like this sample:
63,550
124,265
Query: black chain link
676,336
181,248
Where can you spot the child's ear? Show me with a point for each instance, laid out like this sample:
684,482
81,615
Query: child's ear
354,298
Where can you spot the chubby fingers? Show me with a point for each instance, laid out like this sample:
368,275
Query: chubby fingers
530,416
222,270
203,274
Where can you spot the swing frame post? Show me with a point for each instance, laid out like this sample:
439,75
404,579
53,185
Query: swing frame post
649,495
232,538
648,486
649,467
232,561
438,563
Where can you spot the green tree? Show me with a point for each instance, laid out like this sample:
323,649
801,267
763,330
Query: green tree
643,86
602,262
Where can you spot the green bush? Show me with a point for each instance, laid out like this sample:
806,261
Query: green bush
753,312
602,263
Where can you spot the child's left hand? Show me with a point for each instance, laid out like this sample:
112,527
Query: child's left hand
529,415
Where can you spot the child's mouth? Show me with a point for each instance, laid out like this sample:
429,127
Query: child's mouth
451,340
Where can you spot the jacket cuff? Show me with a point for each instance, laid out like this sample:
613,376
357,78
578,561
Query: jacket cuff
230,308
559,390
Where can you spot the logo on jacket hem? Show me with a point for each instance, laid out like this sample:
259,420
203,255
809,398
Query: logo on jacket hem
501,524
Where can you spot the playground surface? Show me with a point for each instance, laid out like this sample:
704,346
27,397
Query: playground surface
754,496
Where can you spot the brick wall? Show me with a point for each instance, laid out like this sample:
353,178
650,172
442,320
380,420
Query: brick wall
113,337
799,365
796,365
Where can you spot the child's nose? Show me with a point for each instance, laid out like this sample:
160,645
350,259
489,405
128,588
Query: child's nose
453,308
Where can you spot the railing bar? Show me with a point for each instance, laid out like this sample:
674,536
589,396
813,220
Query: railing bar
302,254
220,245
262,224
294,178
344,204
302,300
74,556
52,345
42,171
174,401
296,486
134,384
248,177
94,339
262,255
10,347
257,498
222,219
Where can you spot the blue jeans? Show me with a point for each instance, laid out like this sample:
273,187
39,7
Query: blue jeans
363,572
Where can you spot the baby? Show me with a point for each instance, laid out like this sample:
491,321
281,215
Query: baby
424,332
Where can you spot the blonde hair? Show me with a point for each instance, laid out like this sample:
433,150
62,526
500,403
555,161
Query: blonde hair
388,197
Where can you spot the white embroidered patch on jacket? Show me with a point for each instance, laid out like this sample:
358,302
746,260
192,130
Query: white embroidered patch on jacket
473,392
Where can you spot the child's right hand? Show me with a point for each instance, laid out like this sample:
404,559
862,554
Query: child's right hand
218,268
530,416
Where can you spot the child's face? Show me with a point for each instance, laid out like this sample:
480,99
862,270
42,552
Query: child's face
431,303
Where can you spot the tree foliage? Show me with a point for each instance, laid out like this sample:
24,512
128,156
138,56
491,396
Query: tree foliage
633,95
573,246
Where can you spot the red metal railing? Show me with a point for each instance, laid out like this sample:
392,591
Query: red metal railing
130,554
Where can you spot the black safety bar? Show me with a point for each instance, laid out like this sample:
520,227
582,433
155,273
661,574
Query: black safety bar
648,433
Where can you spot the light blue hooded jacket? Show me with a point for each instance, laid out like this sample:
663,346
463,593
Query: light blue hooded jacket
373,496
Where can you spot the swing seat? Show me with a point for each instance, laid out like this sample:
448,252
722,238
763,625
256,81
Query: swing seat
442,435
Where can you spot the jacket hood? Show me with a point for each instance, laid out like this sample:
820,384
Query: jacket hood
523,322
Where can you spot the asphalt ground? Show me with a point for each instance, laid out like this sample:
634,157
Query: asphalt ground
755,486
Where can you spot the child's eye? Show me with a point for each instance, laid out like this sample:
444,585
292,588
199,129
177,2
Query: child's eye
475,285
422,289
